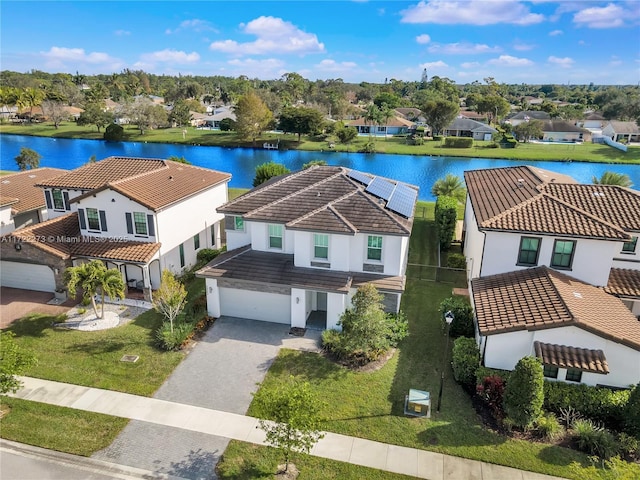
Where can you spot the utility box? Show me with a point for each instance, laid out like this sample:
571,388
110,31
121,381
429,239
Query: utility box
417,403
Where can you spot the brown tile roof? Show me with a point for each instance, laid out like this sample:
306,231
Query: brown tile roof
564,356
528,199
154,183
560,126
623,282
22,186
539,298
319,198
277,268
6,201
61,237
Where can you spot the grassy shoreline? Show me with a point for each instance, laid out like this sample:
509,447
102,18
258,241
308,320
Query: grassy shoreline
586,152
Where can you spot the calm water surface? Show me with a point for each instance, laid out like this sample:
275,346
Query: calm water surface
241,162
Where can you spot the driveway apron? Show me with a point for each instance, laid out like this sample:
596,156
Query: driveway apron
221,372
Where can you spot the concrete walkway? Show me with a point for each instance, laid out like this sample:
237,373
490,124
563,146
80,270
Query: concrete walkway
408,461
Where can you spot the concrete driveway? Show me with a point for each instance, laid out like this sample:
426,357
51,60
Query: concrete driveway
16,303
221,372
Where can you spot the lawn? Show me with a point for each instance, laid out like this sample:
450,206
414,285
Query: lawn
586,152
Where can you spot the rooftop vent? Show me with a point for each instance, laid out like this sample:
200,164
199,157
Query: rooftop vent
520,182
577,294
32,176
5,181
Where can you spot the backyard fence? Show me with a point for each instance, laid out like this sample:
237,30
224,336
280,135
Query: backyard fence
455,276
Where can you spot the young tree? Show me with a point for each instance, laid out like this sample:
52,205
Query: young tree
345,134
180,114
28,159
439,113
524,395
93,278
301,120
613,178
54,111
445,218
525,131
267,171
252,116
94,115
13,361
170,298
450,186
294,424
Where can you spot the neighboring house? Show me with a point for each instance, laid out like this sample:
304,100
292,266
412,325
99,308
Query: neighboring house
414,115
561,131
593,122
479,117
393,126
623,132
465,127
527,232
580,333
526,116
212,120
22,202
300,245
139,215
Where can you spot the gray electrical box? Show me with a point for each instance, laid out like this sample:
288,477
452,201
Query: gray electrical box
417,403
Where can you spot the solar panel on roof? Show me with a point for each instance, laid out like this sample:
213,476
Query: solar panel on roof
359,177
403,200
380,188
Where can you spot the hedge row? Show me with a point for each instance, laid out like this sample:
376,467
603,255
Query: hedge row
458,142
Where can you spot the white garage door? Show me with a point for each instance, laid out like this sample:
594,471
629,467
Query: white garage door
269,307
27,276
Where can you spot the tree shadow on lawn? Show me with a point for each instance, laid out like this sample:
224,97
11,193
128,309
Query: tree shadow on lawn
310,365
562,456
34,325
451,434
99,346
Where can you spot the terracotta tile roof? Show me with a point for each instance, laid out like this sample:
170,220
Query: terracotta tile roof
277,268
319,198
539,298
623,282
564,356
528,199
61,237
6,201
22,186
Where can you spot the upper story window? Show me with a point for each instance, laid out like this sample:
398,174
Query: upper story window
238,223
529,250
563,251
140,223
630,246
321,246
58,199
93,220
196,241
374,247
275,236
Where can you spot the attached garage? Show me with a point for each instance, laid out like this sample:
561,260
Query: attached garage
269,307
28,276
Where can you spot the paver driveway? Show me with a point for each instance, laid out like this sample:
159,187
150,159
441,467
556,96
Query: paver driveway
221,373
16,303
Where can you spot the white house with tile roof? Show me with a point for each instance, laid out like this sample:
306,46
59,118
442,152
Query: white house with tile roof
141,216
543,253
301,244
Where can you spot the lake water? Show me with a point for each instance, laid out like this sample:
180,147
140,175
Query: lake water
241,162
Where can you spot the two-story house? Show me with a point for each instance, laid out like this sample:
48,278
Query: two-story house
552,265
139,215
301,244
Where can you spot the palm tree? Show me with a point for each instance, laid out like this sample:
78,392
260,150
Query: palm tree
385,114
94,277
613,178
371,116
451,186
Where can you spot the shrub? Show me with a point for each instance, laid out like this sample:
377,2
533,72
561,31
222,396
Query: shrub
445,216
524,393
462,325
369,147
491,390
227,124
267,171
484,372
629,446
331,342
168,340
549,428
113,133
599,404
205,255
457,260
438,138
458,142
398,327
466,360
594,440
632,412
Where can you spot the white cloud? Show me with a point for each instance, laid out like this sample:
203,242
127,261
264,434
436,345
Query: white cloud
463,48
274,36
565,62
329,65
194,24
555,33
422,39
168,55
57,57
122,33
523,47
478,12
438,64
470,64
601,17
509,61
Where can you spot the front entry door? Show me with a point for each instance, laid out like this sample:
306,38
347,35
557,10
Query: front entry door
322,301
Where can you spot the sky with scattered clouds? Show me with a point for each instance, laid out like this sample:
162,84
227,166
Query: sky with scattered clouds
513,41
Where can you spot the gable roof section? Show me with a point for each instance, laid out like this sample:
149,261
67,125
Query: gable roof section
467,124
560,126
531,114
531,200
22,186
623,282
61,237
564,356
540,298
321,198
624,127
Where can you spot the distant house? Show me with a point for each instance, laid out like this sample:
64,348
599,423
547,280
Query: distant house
521,117
465,127
562,131
412,114
623,132
393,126
479,117
22,203
593,122
212,120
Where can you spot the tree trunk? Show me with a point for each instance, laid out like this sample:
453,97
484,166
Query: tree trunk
102,311
95,307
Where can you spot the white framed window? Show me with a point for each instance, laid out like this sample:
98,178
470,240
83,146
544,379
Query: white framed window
321,246
93,219
630,246
140,223
58,199
275,236
374,248
238,223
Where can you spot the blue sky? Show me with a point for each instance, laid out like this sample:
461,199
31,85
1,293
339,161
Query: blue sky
538,41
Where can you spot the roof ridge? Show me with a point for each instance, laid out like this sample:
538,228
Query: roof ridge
509,211
341,217
141,174
326,206
555,275
383,210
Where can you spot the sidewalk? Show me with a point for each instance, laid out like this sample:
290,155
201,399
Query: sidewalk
392,458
